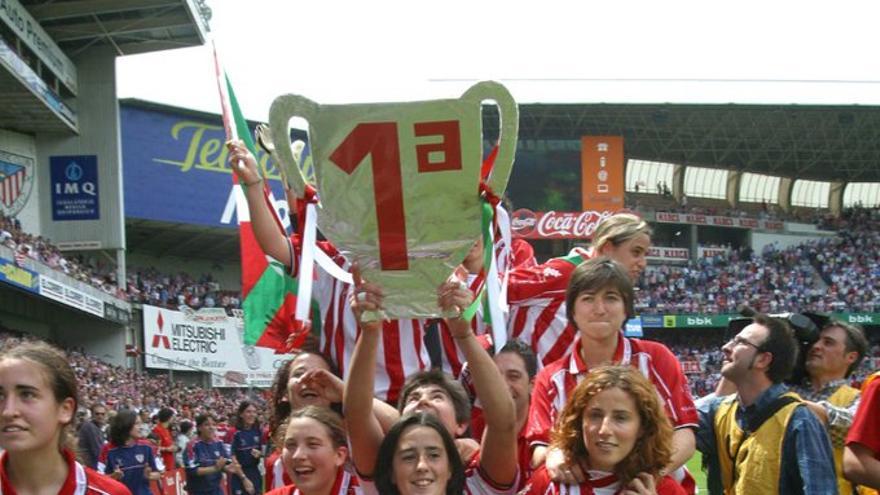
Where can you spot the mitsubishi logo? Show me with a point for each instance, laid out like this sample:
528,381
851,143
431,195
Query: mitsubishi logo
159,337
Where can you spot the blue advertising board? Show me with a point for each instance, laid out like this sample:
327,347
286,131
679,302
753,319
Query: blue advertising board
633,327
175,168
19,277
74,187
652,321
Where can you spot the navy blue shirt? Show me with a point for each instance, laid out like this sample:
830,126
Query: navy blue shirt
807,460
203,454
243,442
132,460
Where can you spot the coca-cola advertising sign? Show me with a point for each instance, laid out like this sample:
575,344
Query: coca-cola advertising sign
556,224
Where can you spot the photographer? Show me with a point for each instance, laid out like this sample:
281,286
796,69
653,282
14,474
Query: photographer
763,439
825,389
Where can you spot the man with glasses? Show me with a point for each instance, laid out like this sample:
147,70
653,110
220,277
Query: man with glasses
91,436
826,390
762,439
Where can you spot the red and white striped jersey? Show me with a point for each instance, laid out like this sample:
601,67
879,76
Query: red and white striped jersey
475,483
555,382
598,484
537,305
345,484
80,480
401,351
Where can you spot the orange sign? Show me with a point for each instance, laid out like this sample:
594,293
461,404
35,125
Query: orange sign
602,173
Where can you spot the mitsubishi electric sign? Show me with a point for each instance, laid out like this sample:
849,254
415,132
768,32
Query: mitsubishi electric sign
210,341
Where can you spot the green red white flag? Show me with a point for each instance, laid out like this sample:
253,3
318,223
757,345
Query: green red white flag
267,292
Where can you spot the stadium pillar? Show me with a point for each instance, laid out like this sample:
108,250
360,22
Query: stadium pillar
121,275
678,182
785,187
733,180
835,197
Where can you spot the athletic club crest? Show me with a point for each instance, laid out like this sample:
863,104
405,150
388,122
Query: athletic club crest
139,458
16,182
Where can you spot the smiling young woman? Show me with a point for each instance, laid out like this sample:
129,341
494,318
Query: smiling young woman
315,453
615,427
38,399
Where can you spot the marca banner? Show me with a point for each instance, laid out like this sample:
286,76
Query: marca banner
528,224
602,173
70,296
74,187
16,276
673,254
711,252
207,340
718,221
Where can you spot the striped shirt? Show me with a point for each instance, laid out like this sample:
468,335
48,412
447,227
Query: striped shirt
600,483
80,479
345,484
537,305
555,382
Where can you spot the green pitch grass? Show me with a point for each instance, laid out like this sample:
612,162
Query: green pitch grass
693,466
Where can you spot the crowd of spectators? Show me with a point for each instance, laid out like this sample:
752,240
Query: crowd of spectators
120,388
834,274
149,286
39,249
143,285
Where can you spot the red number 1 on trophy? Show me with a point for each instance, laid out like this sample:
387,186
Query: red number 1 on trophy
379,140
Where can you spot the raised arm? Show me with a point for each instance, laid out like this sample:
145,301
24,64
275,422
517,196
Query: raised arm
498,445
271,239
364,430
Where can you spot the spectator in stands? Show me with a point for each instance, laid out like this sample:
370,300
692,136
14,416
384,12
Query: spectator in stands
825,390
38,401
790,454
91,436
182,440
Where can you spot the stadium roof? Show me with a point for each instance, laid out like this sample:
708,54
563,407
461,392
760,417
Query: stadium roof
125,26
129,26
829,143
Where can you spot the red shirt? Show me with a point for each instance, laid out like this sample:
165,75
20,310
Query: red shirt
555,382
165,441
537,305
865,428
80,480
540,484
345,484
276,475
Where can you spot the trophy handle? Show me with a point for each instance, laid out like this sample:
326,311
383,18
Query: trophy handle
282,110
508,128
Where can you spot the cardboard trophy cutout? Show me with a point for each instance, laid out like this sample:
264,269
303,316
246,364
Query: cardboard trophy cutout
399,184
